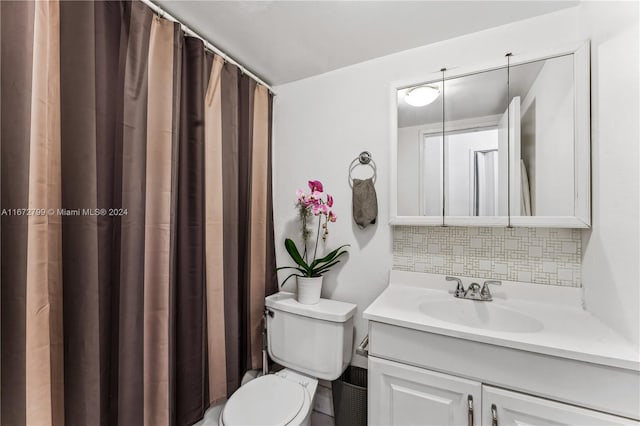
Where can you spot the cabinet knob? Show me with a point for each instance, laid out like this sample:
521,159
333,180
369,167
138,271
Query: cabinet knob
494,415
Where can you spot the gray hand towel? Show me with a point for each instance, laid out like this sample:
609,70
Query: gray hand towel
365,202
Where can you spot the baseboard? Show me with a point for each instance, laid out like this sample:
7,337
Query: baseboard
324,400
324,383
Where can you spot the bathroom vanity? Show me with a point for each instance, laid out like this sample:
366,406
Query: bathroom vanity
530,356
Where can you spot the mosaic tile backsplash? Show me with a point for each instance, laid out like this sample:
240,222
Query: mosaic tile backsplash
537,255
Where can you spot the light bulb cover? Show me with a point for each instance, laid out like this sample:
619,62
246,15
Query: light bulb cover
421,96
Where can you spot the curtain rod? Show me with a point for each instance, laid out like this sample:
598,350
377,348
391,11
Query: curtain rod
164,14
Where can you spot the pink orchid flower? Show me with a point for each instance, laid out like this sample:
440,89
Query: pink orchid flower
314,199
332,217
319,209
316,185
329,200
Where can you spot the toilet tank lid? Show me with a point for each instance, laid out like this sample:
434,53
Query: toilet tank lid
328,310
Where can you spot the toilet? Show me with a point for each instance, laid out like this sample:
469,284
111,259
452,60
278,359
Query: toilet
312,342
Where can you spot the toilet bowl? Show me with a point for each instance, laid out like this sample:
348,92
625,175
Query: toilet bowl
312,342
283,398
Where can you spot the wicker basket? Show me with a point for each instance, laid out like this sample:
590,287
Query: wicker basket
350,397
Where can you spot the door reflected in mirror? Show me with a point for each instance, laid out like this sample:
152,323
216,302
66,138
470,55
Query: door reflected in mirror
476,145
485,176
473,176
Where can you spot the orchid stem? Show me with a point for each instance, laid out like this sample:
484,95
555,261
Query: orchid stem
304,230
305,234
317,238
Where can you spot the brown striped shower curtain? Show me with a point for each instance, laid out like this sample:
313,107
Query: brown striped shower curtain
136,228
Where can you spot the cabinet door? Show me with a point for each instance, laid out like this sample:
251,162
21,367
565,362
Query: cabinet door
506,408
401,395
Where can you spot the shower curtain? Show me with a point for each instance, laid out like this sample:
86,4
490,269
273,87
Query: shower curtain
136,228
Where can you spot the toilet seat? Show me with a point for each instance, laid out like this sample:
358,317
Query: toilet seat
266,401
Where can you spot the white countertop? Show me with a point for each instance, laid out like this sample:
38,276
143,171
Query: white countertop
567,331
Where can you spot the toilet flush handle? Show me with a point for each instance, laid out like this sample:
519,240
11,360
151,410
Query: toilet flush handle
363,347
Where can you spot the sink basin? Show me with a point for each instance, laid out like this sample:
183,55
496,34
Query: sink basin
481,315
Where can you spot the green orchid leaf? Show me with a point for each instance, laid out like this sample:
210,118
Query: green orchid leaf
329,257
295,254
287,279
337,255
325,268
291,267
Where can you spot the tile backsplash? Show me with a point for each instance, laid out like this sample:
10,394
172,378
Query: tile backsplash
538,255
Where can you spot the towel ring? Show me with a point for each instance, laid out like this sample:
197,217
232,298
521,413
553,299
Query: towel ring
363,159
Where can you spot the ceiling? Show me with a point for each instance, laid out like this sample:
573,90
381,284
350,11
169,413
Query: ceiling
484,94
478,95
284,41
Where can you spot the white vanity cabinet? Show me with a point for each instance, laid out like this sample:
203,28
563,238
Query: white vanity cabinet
506,408
404,395
531,356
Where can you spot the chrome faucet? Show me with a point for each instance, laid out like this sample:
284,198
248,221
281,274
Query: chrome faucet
473,292
485,294
459,288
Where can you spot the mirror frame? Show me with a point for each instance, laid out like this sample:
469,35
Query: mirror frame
582,147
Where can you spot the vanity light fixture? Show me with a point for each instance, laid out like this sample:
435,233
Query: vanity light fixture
421,95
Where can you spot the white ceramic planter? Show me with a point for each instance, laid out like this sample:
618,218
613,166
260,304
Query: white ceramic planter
309,289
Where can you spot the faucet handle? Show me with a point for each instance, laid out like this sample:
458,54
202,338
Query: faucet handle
473,292
485,294
459,288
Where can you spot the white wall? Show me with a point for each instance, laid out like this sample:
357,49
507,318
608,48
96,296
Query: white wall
611,250
322,123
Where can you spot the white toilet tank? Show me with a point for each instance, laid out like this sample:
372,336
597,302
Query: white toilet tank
313,339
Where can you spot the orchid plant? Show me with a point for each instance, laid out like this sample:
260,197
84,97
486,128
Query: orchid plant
315,203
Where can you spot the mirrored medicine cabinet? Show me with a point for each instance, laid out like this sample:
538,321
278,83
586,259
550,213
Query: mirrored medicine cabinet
507,145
